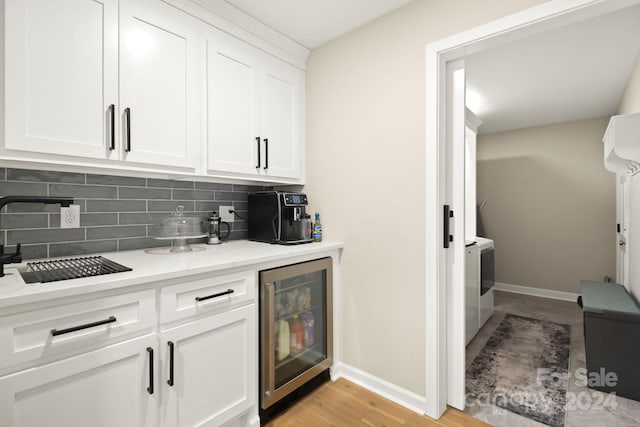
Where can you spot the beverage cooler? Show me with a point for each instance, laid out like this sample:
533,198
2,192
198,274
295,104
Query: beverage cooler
295,329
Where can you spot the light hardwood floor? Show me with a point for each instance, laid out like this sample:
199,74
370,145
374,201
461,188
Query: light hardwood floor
344,404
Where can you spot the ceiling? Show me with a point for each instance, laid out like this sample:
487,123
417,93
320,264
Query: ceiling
575,72
315,22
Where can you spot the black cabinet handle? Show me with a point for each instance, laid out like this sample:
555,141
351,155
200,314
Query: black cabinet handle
447,214
171,346
150,353
127,117
112,117
258,143
266,153
227,292
56,332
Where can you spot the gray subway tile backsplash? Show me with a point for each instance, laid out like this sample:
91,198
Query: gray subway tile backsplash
193,194
82,248
213,186
140,243
87,219
115,210
133,218
129,181
231,196
38,208
45,235
30,251
246,188
35,220
83,191
170,205
202,206
15,188
116,205
166,183
144,193
45,176
99,233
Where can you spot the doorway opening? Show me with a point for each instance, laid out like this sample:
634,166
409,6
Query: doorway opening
445,184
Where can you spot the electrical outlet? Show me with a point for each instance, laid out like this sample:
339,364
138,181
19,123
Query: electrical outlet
226,215
70,217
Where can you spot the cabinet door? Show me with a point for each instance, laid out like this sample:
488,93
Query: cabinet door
280,118
103,388
159,78
232,101
60,75
214,369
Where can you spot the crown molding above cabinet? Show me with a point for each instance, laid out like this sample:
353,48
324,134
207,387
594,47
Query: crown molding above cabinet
232,20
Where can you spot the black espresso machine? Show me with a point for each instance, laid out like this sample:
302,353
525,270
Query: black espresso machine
278,217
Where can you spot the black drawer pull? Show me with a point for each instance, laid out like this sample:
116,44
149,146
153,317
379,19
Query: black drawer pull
258,141
150,353
171,346
227,292
112,117
266,153
56,332
127,117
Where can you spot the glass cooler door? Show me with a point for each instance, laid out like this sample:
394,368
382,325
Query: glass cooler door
296,326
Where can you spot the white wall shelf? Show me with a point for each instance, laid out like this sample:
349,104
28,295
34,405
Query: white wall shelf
622,144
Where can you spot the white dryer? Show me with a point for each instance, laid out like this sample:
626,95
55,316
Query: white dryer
487,278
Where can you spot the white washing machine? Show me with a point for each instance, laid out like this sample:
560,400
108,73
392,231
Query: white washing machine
472,291
487,278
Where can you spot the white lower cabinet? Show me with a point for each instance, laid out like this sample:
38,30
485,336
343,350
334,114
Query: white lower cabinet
103,388
190,364
209,369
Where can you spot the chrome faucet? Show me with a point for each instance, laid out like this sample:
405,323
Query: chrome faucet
16,257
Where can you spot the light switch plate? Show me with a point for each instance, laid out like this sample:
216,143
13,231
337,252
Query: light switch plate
70,217
225,215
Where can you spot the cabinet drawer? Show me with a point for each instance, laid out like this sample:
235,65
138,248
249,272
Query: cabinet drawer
206,295
48,332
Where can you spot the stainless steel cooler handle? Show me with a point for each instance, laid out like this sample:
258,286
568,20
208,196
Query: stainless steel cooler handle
268,342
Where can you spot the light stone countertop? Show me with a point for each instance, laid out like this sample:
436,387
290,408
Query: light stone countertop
149,267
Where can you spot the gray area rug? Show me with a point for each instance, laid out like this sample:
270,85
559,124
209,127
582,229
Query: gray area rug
523,368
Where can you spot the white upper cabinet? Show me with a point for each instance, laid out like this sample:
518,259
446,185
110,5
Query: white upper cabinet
74,66
141,85
280,120
60,75
159,84
254,106
232,100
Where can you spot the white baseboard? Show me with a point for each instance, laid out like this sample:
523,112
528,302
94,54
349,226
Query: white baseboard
399,395
536,292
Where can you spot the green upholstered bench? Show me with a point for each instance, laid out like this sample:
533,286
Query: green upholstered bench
612,338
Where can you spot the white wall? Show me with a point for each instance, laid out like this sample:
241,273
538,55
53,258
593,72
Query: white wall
550,204
365,175
631,104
